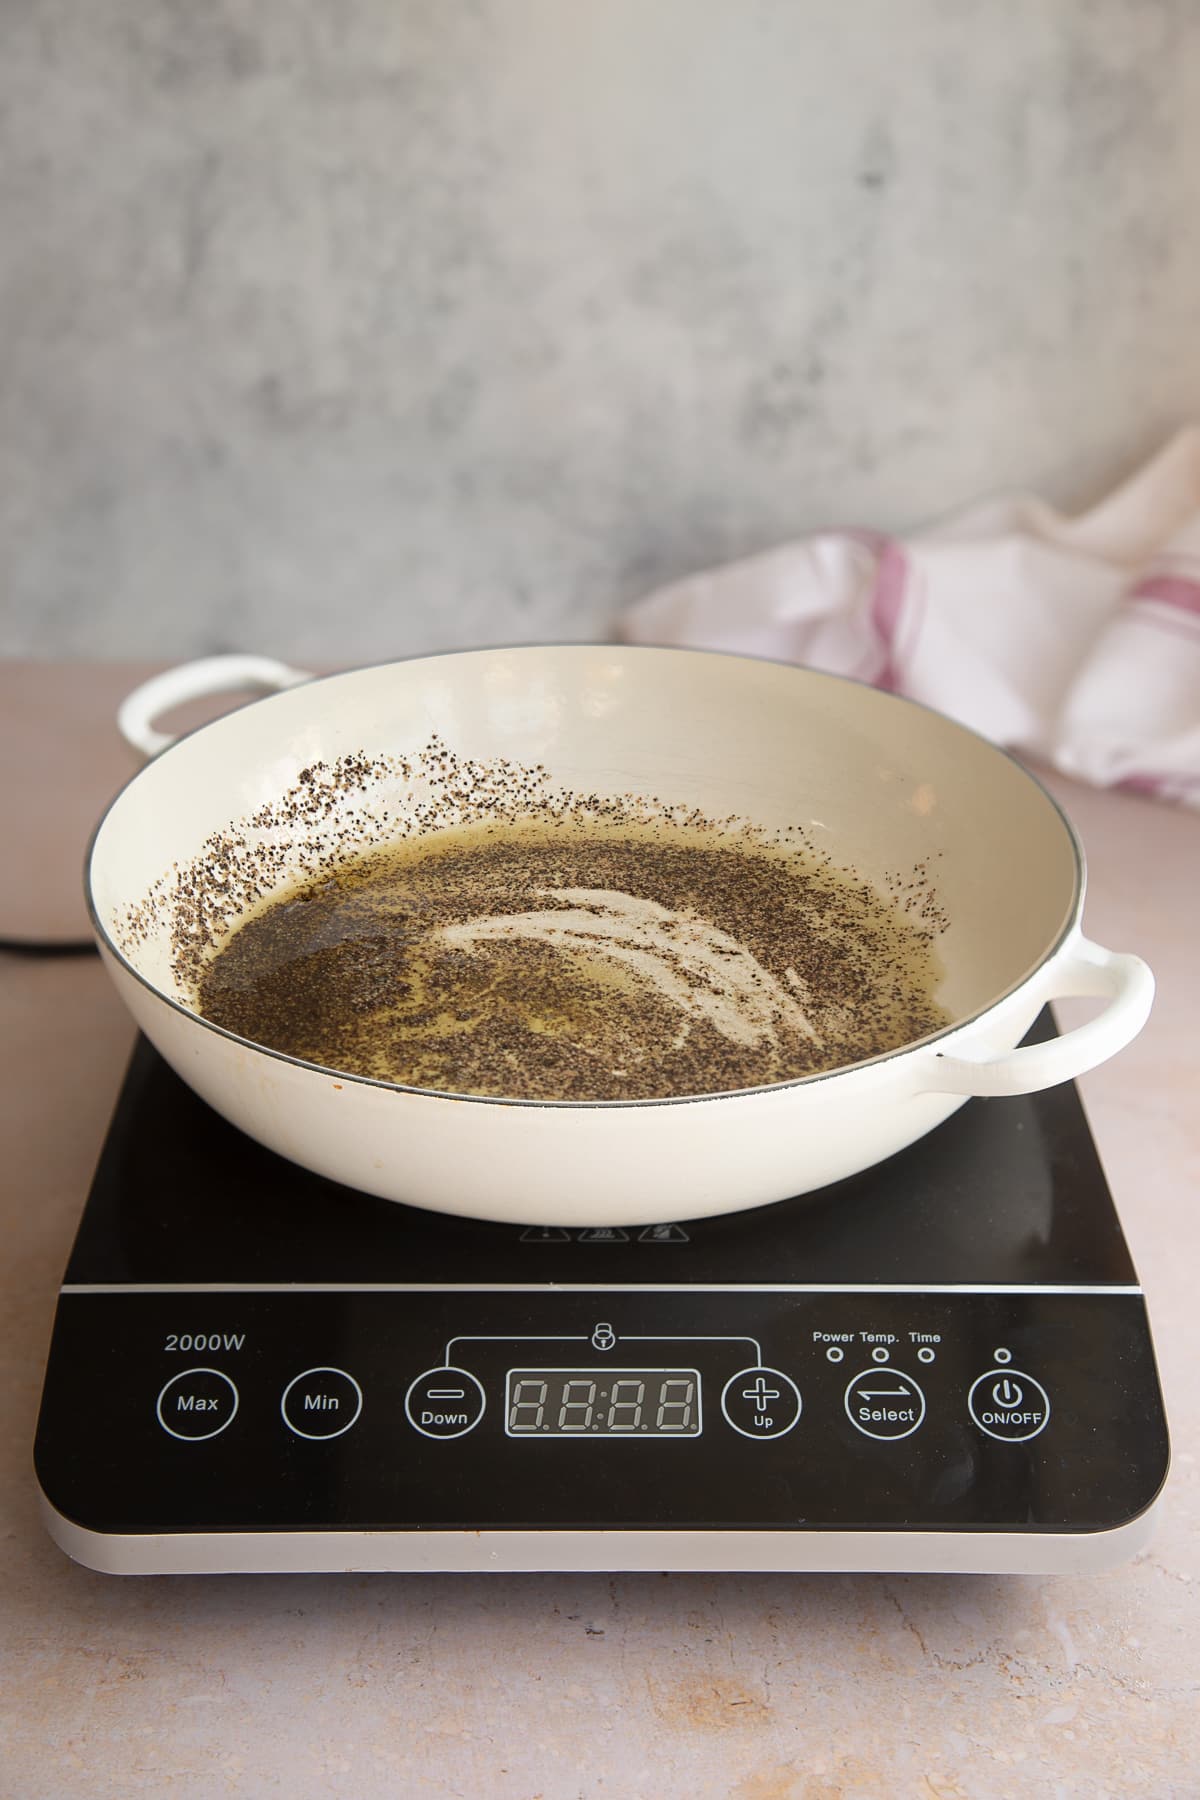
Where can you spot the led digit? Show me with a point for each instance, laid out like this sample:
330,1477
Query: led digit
575,1414
625,1409
674,1408
522,1404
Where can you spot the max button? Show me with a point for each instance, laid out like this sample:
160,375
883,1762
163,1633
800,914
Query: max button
197,1404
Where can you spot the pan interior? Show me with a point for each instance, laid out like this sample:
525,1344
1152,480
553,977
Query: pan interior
889,790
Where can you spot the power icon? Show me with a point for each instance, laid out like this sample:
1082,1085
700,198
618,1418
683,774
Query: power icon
1009,1405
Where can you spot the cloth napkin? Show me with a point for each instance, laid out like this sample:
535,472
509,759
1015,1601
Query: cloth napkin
1075,640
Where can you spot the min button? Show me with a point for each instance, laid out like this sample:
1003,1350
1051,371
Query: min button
321,1403
197,1404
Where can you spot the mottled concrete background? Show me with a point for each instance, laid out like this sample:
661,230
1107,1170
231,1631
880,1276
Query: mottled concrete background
355,330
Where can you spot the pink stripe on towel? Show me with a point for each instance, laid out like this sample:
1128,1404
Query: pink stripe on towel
1141,784
1178,781
887,607
1172,590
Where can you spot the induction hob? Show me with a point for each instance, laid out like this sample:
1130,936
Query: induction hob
942,1363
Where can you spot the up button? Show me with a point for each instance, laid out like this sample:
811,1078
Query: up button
1009,1405
761,1403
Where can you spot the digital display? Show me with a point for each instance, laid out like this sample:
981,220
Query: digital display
603,1403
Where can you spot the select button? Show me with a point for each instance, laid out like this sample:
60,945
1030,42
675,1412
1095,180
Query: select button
884,1403
197,1404
321,1403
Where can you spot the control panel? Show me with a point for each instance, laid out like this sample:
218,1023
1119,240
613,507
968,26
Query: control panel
539,1408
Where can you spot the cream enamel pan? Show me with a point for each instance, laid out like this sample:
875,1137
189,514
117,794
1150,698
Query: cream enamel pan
881,783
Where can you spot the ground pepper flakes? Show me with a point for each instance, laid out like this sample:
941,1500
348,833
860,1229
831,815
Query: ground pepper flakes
379,964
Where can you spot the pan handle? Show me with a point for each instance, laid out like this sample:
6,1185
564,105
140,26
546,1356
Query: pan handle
194,681
1084,969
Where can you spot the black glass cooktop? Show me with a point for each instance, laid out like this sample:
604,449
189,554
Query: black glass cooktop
249,1361
1008,1191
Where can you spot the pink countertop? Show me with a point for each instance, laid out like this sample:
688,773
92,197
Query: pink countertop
562,1686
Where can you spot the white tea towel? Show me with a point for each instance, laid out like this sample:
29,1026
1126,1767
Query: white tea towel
1074,639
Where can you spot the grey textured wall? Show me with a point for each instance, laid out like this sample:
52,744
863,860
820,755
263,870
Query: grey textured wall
344,331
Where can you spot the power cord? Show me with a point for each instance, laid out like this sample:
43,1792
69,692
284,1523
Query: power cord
52,947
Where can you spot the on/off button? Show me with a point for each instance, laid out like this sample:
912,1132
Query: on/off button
1009,1405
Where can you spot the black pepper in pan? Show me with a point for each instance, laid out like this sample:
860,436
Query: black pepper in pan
480,958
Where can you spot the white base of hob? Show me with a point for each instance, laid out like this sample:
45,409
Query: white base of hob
605,1552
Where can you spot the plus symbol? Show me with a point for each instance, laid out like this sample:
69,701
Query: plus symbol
760,1393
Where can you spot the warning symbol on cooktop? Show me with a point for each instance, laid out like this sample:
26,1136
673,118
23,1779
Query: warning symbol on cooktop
604,1234
663,1234
545,1234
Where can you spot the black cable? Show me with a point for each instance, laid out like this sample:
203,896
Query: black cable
52,947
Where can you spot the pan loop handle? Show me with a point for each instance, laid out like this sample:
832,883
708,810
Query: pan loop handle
1084,969
195,681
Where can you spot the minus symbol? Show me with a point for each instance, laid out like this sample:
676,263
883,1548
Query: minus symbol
446,1394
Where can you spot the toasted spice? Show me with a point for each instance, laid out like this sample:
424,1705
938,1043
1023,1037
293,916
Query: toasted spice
554,952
